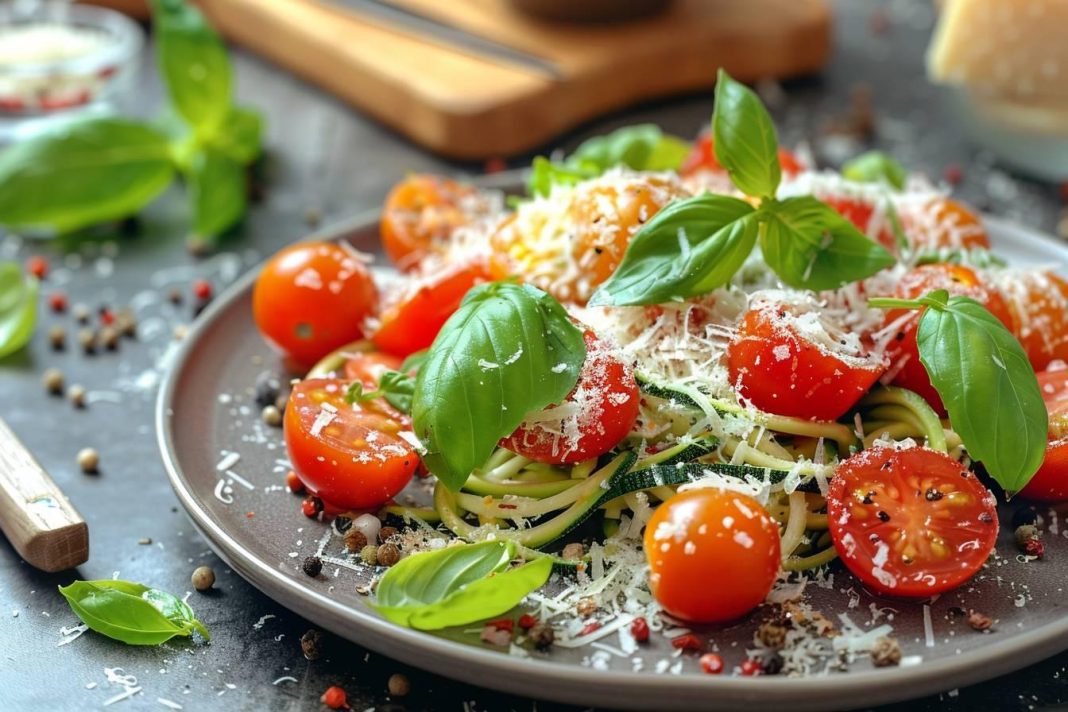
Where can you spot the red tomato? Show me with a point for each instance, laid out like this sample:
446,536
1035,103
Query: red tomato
351,456
1038,301
1050,483
713,554
943,223
780,370
703,157
368,366
607,399
910,523
312,298
859,212
412,323
903,350
420,214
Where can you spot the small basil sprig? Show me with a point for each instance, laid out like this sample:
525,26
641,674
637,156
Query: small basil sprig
697,244
131,612
985,381
643,147
396,387
457,585
508,350
103,169
18,308
876,167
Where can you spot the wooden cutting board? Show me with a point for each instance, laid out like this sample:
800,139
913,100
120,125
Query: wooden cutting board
471,107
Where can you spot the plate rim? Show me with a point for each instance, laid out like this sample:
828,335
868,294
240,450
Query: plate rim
571,683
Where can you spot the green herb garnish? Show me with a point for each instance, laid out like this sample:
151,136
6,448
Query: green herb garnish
457,585
131,612
988,386
18,308
396,387
876,167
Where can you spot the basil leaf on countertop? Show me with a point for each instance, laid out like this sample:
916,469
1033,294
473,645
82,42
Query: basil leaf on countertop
457,585
242,136
988,387
876,167
194,63
218,193
131,612
83,173
18,308
508,350
744,138
809,245
687,249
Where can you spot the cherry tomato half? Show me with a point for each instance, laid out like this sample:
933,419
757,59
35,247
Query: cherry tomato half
903,350
910,523
312,298
420,214
781,370
713,554
351,456
1038,301
413,322
607,400
1050,483
860,212
368,366
703,157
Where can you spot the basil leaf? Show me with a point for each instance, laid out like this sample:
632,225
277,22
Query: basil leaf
242,135
689,248
457,585
396,387
194,62
414,361
988,387
545,174
18,308
218,193
810,246
510,349
745,140
876,167
130,612
83,173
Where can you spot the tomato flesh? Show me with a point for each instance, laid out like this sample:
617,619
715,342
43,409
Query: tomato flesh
420,214
367,367
911,523
1050,483
607,400
351,456
713,554
703,157
781,371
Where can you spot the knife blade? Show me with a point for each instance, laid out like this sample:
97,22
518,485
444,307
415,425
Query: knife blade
440,32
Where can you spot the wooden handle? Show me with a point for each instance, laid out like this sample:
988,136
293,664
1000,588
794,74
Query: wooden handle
37,519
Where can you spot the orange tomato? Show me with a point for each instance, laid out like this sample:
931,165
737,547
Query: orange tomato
1038,303
1050,483
420,214
943,223
703,157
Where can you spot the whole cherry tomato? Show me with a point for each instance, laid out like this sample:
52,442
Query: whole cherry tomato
1038,302
943,223
420,215
703,157
1050,483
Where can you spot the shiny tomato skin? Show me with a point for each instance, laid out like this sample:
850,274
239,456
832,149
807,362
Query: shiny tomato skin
903,350
368,366
780,371
703,157
413,322
713,554
352,456
607,414
1050,483
910,523
420,214
1038,301
312,298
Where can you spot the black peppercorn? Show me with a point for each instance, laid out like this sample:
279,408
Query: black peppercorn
313,566
342,524
311,643
267,388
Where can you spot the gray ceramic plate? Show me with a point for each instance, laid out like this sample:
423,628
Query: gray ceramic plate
206,410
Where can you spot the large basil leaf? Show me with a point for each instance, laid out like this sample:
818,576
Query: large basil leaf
809,245
510,349
745,140
131,612
988,386
876,167
194,63
83,173
217,191
457,585
689,248
18,308
241,138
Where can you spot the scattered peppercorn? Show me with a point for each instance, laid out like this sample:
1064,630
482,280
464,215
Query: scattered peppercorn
953,174
107,318
885,651
202,289
109,337
174,296
355,541
711,664
280,401
57,337
749,668
686,642
369,555
586,607
37,266
313,566
388,554
639,629
53,381
335,698
311,643
312,507
267,389
293,482
87,340
81,313
76,396
312,217
398,685
1035,548
145,541
386,533
542,636
1025,533
89,460
126,323
1025,515
271,416
772,664
57,302
573,551
980,621
527,621
203,578
342,523
772,634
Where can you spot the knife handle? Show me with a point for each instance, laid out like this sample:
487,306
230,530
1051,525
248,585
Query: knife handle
38,520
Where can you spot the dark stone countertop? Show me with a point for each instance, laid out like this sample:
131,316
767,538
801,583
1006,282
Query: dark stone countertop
325,158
